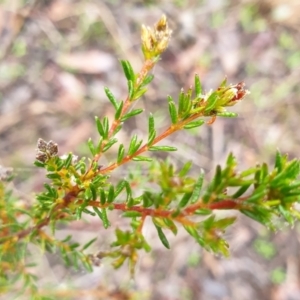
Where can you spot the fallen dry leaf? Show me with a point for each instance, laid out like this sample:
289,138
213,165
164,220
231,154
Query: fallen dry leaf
89,62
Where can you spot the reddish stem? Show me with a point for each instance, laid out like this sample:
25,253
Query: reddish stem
170,130
153,212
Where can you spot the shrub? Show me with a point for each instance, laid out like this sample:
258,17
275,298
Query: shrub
78,186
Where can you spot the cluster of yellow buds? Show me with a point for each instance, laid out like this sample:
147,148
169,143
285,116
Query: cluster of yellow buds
156,40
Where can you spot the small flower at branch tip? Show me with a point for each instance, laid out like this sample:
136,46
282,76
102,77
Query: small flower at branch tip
73,181
41,156
75,158
45,150
238,94
5,173
146,38
52,148
162,24
156,40
42,145
229,96
96,261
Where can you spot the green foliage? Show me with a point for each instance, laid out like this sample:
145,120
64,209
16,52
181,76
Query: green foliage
79,187
278,276
265,248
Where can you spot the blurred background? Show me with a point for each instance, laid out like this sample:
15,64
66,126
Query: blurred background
57,56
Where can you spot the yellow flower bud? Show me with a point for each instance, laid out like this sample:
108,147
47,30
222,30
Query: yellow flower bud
156,40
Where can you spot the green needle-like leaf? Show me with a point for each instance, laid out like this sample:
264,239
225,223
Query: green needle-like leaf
181,100
171,225
203,212
92,147
117,129
279,161
173,112
291,171
184,200
111,194
162,237
111,98
121,153
147,199
255,215
151,137
131,214
105,221
105,124
258,194
131,114
197,188
134,148
128,70
110,143
119,110
227,114
99,126
194,124
185,169
198,87
130,89
68,161
120,186
129,199
148,79
142,158
187,104
98,212
102,197
67,239
224,82
193,232
218,179
241,191
88,244
151,124
93,191
231,161
39,164
132,145
162,148
53,176
286,214
211,102
139,93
